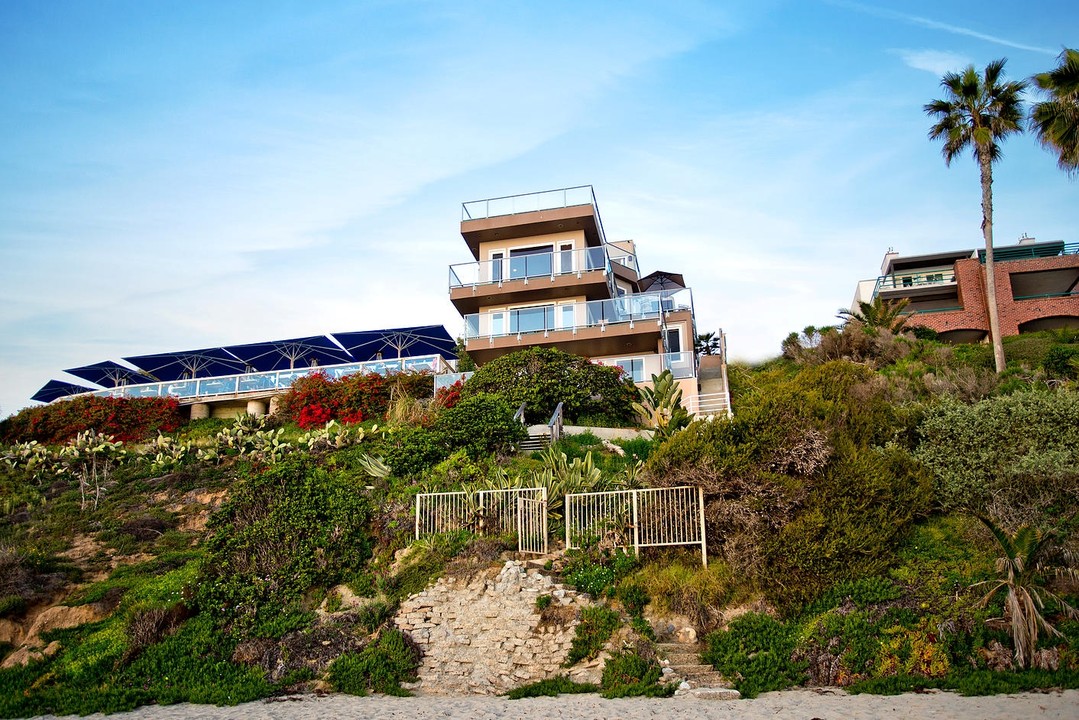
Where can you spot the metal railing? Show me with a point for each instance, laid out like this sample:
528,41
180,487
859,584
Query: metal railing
923,278
1031,252
270,381
574,316
446,380
550,265
486,512
554,425
710,404
655,517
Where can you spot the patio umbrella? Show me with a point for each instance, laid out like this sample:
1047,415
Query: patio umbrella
398,343
661,280
289,354
54,389
109,374
210,362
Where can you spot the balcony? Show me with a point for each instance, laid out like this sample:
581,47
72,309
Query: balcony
1032,251
540,276
642,367
928,281
631,324
530,215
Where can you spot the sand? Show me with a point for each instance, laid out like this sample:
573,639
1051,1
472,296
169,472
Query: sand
824,704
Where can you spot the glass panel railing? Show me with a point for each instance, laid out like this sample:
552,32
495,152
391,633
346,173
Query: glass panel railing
550,264
270,381
681,364
529,202
922,278
543,318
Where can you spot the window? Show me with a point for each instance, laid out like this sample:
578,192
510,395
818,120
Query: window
633,368
531,261
496,266
565,257
532,319
673,339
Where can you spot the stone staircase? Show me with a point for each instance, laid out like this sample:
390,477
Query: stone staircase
703,680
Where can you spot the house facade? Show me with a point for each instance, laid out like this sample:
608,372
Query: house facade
1037,288
544,274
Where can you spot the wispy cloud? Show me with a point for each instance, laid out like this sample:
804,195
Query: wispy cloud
934,61
942,26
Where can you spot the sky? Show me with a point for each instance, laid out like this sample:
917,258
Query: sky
180,175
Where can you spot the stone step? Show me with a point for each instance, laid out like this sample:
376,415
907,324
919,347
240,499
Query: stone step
682,658
708,680
679,647
715,693
692,669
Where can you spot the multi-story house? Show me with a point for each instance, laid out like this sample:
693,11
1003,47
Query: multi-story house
545,274
1037,287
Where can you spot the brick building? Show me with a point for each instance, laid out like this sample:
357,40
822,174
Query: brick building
1037,286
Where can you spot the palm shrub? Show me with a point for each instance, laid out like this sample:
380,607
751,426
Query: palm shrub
1023,567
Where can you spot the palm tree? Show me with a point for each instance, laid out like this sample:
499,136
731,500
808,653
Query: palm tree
879,314
978,113
1022,572
707,344
1055,121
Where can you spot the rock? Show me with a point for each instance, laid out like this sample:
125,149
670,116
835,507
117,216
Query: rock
61,617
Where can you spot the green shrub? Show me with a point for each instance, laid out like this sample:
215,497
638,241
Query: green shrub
627,674
480,424
1059,361
595,629
596,572
282,532
380,667
634,598
543,602
544,377
755,652
559,685
411,450
125,419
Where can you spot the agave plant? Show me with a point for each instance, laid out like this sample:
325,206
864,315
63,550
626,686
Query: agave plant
1023,570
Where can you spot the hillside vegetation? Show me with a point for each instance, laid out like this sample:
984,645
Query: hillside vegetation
856,507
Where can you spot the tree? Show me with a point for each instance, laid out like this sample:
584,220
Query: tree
879,314
978,113
1055,120
707,344
1022,569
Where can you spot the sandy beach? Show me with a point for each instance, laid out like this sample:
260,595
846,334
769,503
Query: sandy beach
824,704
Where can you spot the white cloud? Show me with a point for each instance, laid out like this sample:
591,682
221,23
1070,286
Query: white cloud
937,62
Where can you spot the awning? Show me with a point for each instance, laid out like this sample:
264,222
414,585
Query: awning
398,343
290,354
109,374
54,389
210,362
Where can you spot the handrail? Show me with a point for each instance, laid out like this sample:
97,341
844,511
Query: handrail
551,264
520,414
555,424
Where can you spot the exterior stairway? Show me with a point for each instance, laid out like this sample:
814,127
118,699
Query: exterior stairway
703,680
537,442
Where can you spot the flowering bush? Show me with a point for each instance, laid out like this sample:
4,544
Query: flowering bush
126,419
447,397
315,399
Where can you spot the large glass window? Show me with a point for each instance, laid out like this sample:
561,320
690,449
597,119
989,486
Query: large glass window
531,261
532,319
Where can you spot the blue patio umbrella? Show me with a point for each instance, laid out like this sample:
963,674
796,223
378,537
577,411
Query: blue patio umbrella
290,354
210,362
110,374
54,389
398,343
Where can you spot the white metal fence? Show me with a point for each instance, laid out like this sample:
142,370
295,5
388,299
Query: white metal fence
653,517
486,512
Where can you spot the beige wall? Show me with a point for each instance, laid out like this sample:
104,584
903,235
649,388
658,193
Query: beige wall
576,237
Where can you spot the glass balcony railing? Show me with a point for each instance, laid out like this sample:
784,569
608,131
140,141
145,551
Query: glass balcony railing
550,264
529,202
573,316
271,381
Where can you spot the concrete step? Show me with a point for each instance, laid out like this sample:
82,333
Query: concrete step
710,680
715,693
682,658
693,669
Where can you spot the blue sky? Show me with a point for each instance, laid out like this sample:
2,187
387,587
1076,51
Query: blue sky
178,175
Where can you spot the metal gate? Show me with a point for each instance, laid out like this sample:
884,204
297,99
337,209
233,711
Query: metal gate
532,525
637,518
487,512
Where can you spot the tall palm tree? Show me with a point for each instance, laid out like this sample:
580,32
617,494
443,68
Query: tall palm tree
1055,121
978,113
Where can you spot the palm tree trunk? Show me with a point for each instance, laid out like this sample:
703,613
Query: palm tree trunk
990,276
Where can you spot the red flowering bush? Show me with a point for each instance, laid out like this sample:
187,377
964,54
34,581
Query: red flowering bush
315,399
126,419
447,397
